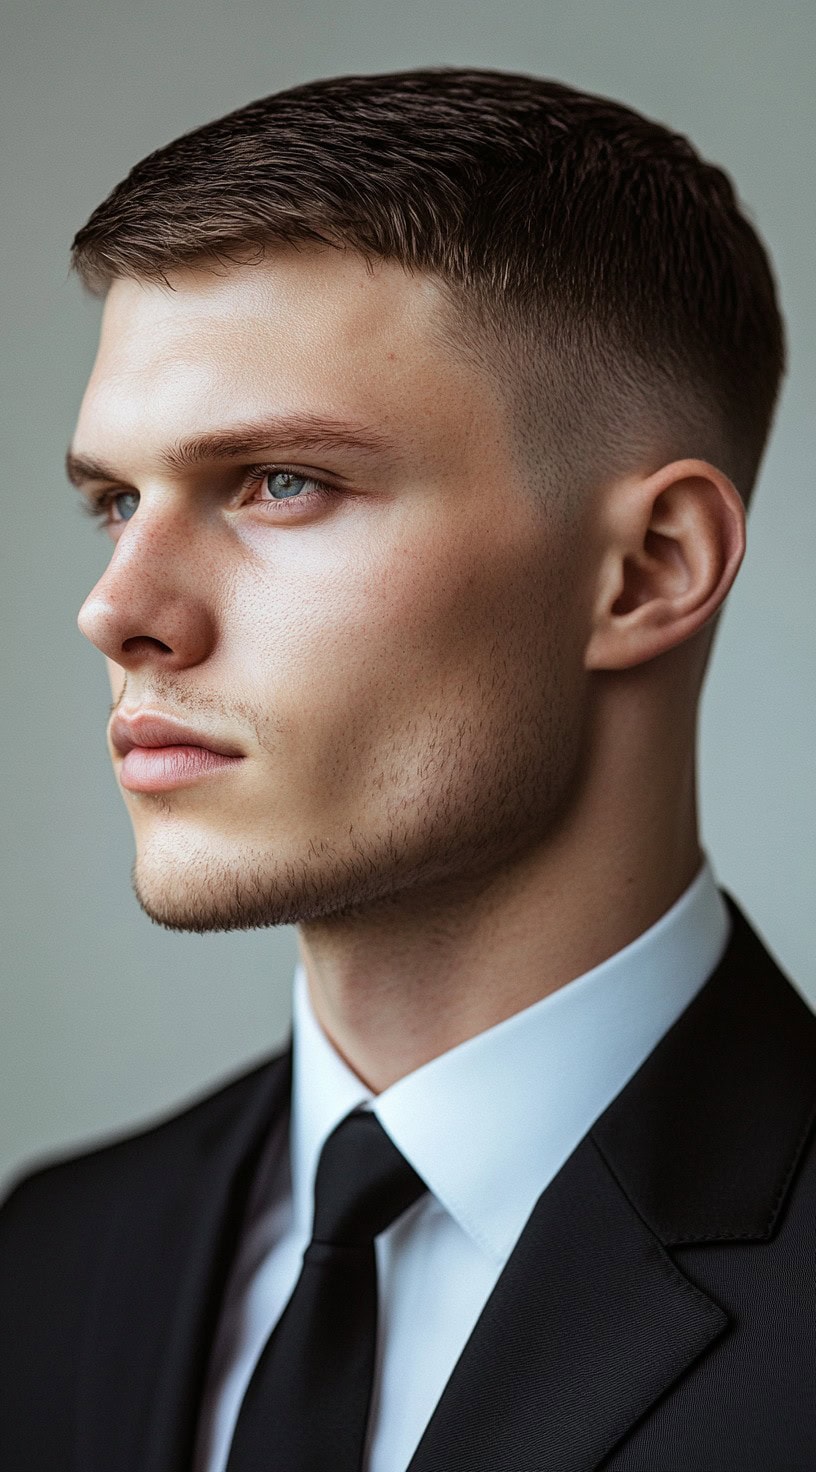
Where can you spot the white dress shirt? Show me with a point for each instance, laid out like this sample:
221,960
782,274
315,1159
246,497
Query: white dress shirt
487,1125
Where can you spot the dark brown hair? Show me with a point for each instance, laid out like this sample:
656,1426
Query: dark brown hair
595,264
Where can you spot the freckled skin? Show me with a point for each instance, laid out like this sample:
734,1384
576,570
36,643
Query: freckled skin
395,664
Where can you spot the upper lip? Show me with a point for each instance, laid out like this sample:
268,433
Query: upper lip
146,728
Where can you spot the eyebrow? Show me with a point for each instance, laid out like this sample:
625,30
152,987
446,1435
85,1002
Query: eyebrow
307,432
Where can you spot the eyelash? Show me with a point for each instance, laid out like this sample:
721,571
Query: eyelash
257,475
98,504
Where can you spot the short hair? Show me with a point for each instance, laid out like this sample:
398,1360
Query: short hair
599,268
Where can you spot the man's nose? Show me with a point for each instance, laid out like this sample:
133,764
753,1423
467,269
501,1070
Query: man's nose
153,603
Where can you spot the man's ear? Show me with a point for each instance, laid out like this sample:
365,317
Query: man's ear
671,546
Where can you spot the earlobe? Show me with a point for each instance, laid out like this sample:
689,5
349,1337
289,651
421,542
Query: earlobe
674,546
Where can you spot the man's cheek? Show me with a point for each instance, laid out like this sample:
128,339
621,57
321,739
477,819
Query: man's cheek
116,675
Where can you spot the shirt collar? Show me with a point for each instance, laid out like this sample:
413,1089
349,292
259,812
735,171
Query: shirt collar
489,1123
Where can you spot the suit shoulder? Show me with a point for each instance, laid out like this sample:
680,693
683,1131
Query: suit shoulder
67,1183
77,1228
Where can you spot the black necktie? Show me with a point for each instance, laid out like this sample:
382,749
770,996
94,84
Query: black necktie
306,1406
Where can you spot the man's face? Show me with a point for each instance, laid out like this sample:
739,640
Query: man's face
397,658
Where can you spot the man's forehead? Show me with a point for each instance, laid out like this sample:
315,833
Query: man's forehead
311,335
316,290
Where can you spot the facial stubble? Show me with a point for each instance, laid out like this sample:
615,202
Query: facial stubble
444,806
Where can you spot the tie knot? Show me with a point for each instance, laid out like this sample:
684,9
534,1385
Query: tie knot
363,1183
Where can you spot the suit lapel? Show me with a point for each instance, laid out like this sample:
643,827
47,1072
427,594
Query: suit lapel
169,1256
592,1320
589,1323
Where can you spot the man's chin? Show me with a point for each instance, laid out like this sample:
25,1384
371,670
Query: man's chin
206,903
188,880
202,898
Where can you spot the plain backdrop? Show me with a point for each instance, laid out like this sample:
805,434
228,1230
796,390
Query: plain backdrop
106,1019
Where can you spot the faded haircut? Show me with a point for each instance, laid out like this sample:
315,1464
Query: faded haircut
590,261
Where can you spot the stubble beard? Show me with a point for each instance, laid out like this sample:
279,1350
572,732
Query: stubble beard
467,800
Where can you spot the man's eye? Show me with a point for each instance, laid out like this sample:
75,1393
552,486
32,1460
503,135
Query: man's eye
125,503
279,485
283,484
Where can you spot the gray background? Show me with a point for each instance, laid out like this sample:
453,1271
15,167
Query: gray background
106,1019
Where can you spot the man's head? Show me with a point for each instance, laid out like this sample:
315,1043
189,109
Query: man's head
546,343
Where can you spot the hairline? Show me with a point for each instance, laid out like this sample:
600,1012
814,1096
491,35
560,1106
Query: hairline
563,465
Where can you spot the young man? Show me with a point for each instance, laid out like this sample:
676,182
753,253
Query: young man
426,411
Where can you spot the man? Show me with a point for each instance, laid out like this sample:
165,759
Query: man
426,412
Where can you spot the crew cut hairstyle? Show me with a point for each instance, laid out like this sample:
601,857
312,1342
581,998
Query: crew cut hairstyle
587,257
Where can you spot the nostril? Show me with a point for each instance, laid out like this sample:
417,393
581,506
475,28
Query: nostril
134,645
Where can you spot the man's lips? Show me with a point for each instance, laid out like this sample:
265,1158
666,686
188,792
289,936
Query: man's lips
148,729
159,753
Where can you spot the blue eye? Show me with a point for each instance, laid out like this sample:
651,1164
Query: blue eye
288,484
131,500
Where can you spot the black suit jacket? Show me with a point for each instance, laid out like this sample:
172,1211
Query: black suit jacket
658,1313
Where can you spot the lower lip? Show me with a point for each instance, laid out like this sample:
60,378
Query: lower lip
159,768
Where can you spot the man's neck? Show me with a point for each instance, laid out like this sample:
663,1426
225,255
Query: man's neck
393,989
